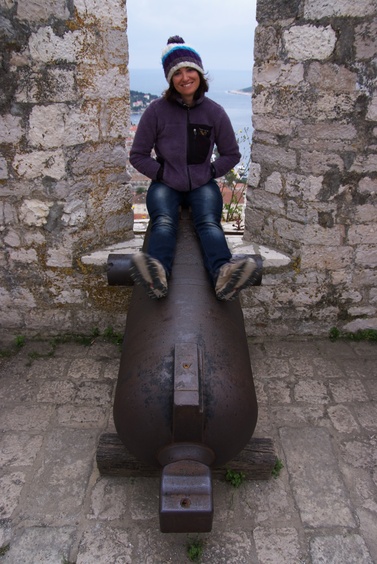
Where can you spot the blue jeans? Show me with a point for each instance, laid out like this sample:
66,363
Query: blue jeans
206,207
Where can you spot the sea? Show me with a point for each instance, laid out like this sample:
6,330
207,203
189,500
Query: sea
222,84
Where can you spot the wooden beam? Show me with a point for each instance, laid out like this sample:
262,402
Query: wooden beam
256,461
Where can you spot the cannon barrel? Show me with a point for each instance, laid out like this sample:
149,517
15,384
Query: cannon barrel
185,397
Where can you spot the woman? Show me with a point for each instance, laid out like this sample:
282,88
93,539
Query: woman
182,128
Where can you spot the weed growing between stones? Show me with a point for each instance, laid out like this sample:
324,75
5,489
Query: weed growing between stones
361,335
277,468
234,478
85,340
4,549
195,550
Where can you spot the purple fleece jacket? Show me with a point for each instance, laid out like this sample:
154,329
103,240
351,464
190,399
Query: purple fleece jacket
183,139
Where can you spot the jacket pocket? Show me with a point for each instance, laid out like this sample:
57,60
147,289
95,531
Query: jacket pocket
199,143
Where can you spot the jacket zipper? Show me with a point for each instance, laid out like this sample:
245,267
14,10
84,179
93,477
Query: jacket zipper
187,150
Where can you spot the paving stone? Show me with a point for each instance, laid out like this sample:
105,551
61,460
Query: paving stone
40,545
93,393
82,417
340,549
317,487
84,369
110,499
106,546
343,419
268,502
60,481
10,489
229,547
19,449
277,545
311,391
25,418
366,414
56,391
360,453
349,391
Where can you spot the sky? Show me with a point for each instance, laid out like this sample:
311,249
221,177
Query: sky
222,32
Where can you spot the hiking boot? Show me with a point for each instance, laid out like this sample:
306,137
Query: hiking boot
234,276
150,273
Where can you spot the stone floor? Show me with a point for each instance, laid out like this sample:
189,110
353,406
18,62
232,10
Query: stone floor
317,400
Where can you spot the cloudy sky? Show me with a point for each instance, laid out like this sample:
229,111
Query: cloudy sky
222,32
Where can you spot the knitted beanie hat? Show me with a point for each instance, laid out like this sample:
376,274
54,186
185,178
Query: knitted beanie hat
178,54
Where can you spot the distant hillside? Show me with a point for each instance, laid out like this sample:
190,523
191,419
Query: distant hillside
246,91
140,100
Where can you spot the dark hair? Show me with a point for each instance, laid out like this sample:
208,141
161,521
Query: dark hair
171,94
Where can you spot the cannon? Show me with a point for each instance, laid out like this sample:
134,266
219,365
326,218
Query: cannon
185,401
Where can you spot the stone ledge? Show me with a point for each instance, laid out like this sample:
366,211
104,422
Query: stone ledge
271,258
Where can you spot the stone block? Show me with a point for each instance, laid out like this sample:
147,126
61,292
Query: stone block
277,544
372,109
10,129
102,84
49,85
261,199
318,163
318,9
316,481
365,163
26,256
322,257
276,156
305,187
274,124
332,77
309,42
317,235
363,234
366,40
94,159
47,47
51,545
274,183
3,169
116,47
35,212
19,449
349,548
275,73
10,490
367,186
40,163
104,14
290,230
61,479
58,125
40,10
366,255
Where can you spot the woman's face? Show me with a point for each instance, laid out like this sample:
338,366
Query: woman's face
186,81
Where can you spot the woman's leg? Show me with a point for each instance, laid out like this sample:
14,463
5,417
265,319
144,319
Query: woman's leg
206,204
163,208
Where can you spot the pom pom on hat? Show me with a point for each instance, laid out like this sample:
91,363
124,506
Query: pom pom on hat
178,54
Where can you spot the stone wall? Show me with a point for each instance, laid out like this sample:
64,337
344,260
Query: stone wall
63,184
313,179
64,190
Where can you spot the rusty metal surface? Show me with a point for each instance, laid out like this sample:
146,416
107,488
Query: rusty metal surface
118,270
192,319
186,498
